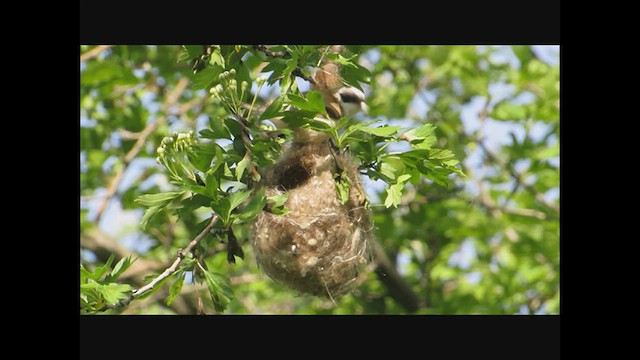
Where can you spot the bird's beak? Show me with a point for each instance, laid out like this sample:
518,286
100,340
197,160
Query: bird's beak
364,107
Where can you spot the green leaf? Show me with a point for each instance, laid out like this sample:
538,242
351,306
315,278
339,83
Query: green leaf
120,267
159,199
382,131
148,214
175,288
219,289
273,110
217,58
217,130
276,67
510,111
112,293
440,154
237,198
421,137
223,208
254,207
392,167
242,166
276,204
193,51
101,270
343,186
204,78
211,185
394,195
291,65
394,192
312,103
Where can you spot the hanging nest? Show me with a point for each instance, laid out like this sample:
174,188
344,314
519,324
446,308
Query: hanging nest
321,245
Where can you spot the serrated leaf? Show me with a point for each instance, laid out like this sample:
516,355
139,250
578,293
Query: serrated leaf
159,199
120,267
312,103
112,293
217,58
242,166
175,288
219,289
421,137
237,198
148,214
291,64
273,110
383,131
101,270
84,274
440,154
193,51
254,207
394,192
223,208
204,78
217,130
392,166
276,68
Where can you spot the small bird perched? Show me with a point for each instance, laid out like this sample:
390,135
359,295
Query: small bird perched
339,100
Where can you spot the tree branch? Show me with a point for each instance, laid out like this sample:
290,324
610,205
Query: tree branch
94,52
399,290
170,270
103,246
171,99
519,178
284,55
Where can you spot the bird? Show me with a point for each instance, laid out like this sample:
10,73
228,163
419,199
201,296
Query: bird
339,100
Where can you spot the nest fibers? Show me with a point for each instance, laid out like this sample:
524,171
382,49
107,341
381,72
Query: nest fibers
320,245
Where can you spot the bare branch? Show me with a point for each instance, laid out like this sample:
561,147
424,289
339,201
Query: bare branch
276,54
171,99
399,290
170,270
94,52
103,246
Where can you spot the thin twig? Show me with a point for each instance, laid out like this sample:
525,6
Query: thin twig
284,55
276,54
142,138
170,270
94,52
518,177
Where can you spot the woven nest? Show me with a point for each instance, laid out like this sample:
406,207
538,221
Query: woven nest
321,245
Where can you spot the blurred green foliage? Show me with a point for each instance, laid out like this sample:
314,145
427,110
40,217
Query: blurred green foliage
486,242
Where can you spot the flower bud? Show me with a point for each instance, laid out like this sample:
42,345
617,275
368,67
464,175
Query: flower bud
232,72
